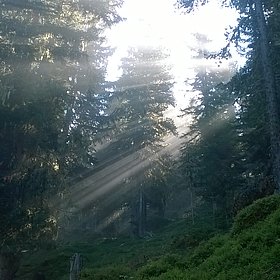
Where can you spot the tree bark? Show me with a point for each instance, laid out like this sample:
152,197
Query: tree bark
75,266
192,204
9,264
270,91
141,214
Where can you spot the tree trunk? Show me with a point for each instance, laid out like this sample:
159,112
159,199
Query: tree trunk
75,266
141,214
214,210
9,264
161,207
270,91
192,204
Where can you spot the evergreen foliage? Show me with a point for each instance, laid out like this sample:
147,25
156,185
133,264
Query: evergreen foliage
51,98
254,87
210,156
140,98
250,253
55,105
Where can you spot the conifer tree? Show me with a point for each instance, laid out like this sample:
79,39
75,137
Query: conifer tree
141,97
50,92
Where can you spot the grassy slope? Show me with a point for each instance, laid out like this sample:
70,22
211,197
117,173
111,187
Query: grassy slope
251,250
110,258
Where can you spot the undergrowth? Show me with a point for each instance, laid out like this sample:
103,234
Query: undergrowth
249,251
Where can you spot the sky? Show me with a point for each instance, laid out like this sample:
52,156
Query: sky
160,23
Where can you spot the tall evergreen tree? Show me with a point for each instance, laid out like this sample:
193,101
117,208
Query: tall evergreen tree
257,22
210,155
50,105
140,99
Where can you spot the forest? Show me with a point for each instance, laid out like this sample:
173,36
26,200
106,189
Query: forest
134,174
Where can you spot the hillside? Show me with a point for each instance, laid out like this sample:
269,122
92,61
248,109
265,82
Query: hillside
250,250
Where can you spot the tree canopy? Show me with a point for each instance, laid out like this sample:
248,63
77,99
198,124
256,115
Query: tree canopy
51,98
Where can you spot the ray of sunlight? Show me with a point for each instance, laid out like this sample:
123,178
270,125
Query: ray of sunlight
174,31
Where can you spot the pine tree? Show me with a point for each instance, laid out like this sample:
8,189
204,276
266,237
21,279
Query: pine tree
257,22
210,154
140,99
51,100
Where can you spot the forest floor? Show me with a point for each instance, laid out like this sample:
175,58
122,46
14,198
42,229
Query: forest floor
249,250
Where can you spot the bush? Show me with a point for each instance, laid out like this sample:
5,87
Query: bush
256,212
106,273
206,249
191,239
156,268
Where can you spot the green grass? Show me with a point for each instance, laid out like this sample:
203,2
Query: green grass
250,250
97,254
105,257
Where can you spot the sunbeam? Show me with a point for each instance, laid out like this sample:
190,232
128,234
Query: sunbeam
144,28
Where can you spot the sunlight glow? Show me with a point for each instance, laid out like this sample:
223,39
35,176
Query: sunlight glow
111,219
159,23
156,23
107,180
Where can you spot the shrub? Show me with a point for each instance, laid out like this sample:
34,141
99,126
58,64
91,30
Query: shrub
106,273
206,249
156,268
256,212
